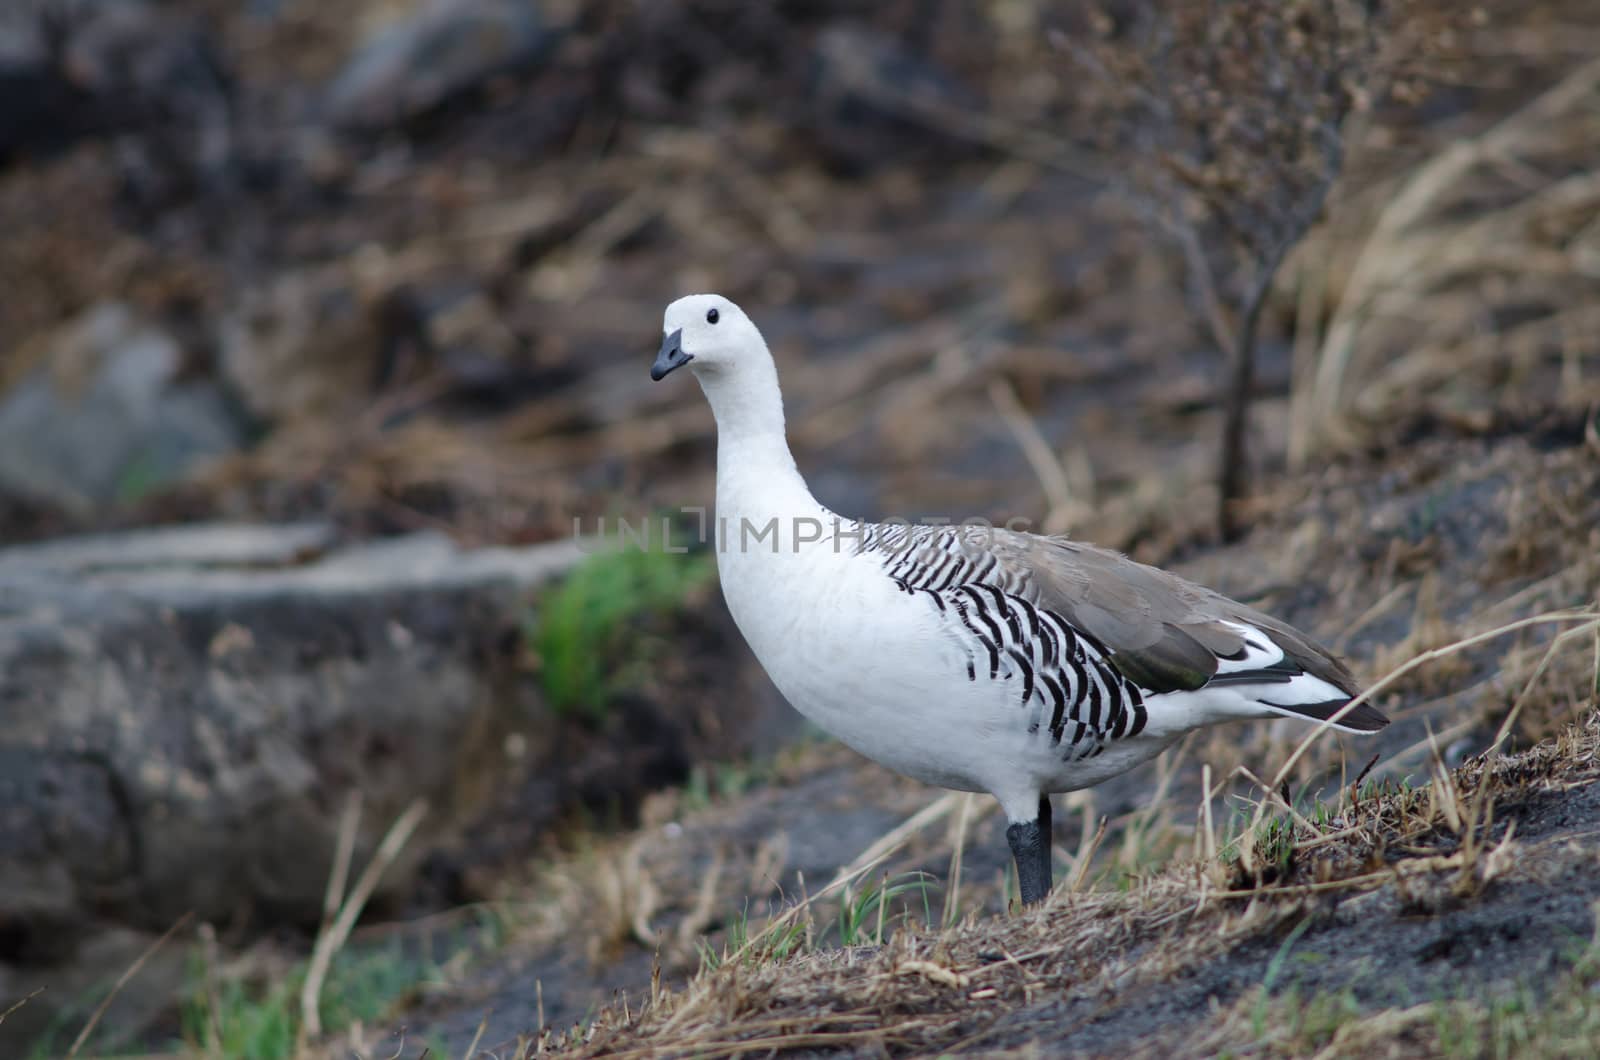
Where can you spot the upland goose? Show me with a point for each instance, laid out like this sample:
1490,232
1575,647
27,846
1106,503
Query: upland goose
971,657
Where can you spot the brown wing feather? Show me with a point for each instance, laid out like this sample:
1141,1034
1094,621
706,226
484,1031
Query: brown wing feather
1162,631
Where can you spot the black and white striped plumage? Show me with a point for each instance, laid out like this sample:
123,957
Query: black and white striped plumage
1065,681
970,657
1105,630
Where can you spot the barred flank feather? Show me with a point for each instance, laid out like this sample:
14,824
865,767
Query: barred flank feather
1092,633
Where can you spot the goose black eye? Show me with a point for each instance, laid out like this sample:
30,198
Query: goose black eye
712,315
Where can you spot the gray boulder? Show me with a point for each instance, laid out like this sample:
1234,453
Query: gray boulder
106,414
183,711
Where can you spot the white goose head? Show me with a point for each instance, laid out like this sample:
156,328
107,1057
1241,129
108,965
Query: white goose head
712,334
730,360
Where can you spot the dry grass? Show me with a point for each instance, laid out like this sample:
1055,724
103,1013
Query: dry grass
958,988
1475,281
1158,913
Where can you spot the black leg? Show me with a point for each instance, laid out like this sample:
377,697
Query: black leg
1030,846
1046,839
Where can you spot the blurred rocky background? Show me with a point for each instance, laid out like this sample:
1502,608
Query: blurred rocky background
324,326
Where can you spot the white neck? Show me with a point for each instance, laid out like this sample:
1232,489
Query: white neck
756,474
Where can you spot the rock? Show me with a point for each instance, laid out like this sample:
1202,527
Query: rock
444,49
182,712
106,415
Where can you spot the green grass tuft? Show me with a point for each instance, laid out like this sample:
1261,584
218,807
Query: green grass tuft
861,918
581,633
259,1021
771,947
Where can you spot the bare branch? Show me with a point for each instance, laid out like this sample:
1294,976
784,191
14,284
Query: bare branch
1231,120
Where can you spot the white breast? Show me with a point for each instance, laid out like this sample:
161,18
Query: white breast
852,653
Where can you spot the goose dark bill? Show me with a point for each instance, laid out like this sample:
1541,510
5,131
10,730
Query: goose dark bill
671,356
